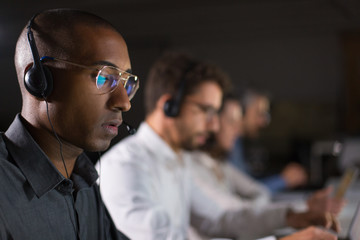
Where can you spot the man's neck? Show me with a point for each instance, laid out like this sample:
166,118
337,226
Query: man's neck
62,154
160,126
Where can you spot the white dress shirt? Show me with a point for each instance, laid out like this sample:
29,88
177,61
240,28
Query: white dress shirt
233,185
235,191
145,186
149,192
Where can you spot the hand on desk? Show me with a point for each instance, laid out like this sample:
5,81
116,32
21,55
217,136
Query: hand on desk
294,175
305,219
322,201
310,233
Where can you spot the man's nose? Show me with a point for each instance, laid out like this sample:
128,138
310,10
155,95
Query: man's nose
119,100
213,123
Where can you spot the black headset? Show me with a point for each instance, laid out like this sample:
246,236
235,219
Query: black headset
172,105
38,79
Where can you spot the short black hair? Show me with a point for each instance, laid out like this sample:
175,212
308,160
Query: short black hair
54,28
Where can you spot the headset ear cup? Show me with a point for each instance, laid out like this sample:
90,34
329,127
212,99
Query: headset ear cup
49,81
38,81
171,108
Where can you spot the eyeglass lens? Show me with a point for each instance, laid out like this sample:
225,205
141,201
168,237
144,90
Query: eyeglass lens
108,79
209,111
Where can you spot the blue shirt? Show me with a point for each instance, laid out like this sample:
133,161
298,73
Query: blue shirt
37,202
275,183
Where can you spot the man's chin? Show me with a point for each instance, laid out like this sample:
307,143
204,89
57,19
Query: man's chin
191,146
98,147
201,140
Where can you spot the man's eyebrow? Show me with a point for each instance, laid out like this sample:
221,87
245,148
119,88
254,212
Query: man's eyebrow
106,63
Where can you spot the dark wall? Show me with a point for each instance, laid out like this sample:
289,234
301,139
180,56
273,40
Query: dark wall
292,49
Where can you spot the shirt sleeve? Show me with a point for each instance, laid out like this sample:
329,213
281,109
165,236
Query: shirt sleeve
274,183
213,218
4,234
126,191
246,187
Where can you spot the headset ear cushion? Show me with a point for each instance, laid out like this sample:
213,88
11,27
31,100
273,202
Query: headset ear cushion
39,81
171,108
49,81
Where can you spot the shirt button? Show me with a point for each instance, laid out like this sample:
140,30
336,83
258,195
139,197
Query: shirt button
66,183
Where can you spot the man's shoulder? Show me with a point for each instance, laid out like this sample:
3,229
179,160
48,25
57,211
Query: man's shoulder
12,180
3,150
5,162
128,146
127,150
7,165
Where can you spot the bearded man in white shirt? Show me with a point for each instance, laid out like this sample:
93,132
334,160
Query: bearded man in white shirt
145,182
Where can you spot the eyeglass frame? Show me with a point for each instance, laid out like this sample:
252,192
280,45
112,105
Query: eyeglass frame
209,111
98,73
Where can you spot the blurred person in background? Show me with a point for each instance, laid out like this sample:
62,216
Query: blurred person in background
146,183
210,163
251,157
234,190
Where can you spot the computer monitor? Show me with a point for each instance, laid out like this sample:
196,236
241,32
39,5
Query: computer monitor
350,153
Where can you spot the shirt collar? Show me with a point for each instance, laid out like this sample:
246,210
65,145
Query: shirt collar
86,170
35,165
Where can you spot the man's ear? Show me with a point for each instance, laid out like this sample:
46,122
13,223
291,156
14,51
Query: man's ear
38,80
171,106
168,106
162,100
27,68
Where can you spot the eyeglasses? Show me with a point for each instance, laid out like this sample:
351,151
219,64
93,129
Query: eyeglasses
108,77
209,111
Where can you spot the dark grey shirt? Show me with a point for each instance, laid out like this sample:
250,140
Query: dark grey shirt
37,202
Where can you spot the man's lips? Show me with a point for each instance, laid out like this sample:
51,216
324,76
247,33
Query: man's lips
112,126
114,123
202,137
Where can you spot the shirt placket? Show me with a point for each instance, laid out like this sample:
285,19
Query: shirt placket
66,189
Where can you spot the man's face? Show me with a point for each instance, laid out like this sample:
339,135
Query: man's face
198,116
82,116
230,118
256,116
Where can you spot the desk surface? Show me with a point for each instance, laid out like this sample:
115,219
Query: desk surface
345,217
353,199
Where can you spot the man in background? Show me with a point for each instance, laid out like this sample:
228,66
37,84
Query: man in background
235,190
251,157
146,183
211,168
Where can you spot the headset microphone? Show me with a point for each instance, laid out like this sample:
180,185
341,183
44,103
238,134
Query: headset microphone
131,130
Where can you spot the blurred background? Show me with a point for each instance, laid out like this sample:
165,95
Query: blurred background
306,53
